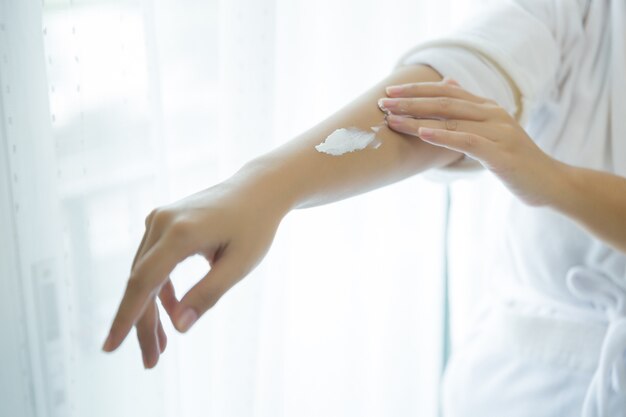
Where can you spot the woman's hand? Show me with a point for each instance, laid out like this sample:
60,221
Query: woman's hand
231,226
444,114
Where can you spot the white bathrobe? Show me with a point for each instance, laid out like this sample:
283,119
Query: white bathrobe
553,342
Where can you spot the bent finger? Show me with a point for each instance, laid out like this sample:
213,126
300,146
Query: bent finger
161,336
147,327
470,144
168,301
223,274
410,126
436,108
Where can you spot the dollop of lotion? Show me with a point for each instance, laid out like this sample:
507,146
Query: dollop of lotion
348,140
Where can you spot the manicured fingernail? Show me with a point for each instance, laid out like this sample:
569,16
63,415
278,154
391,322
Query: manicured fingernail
387,103
186,319
108,343
396,120
394,89
381,106
425,132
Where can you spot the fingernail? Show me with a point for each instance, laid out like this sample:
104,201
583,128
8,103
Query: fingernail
387,103
394,89
381,107
108,343
396,120
186,319
425,132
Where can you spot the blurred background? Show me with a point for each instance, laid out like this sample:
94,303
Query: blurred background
109,108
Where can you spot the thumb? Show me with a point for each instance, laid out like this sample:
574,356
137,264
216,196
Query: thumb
205,293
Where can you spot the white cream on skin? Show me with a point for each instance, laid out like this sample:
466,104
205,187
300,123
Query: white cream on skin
349,140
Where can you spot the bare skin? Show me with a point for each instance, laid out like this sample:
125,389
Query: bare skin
233,223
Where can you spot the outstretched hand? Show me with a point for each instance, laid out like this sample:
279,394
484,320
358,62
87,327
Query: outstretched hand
233,230
444,114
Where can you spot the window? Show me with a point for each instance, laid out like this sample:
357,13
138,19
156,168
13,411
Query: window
112,107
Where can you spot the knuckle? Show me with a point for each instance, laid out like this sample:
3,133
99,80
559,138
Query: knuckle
150,216
136,285
469,140
160,217
405,105
451,124
179,229
444,102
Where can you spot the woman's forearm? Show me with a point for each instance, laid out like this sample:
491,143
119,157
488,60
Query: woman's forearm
594,199
296,175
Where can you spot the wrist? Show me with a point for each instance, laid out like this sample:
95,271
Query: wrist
563,194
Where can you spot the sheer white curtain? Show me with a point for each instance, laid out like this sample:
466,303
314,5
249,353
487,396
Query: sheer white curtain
109,108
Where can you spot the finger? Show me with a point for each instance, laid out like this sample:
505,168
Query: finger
470,144
410,126
151,234
149,275
166,293
147,336
436,108
168,298
224,273
433,89
146,242
162,337
143,331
